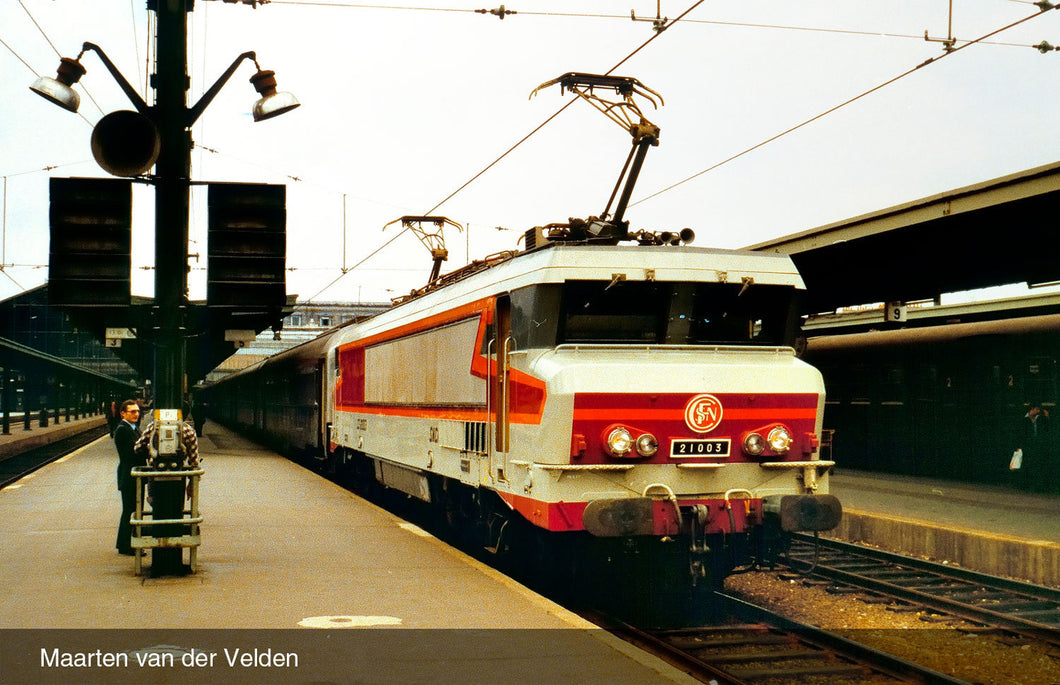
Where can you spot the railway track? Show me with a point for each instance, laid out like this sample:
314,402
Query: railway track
967,595
764,647
757,646
20,465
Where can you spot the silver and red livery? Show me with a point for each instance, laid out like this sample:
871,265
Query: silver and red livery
613,389
630,421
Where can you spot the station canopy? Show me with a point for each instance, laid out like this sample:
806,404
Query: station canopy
995,233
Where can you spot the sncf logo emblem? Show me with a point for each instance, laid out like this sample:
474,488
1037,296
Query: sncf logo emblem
703,413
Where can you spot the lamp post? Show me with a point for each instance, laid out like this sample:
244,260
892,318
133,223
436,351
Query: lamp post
165,133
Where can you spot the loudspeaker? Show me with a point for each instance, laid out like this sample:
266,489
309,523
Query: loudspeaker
89,256
125,143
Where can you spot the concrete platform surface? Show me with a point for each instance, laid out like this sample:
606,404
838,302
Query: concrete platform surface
284,551
992,529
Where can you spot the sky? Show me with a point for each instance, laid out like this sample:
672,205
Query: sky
404,104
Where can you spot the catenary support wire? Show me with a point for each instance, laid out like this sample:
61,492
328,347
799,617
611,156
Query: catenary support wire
1045,7
522,140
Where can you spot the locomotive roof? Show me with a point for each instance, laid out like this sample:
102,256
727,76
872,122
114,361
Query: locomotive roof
558,263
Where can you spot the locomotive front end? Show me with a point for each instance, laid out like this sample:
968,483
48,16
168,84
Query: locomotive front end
681,441
679,423
717,462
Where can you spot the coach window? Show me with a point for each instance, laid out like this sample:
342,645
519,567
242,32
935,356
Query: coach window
924,382
893,388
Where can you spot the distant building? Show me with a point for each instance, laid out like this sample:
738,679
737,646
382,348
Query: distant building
306,322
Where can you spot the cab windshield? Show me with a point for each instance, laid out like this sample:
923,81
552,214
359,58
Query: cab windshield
646,312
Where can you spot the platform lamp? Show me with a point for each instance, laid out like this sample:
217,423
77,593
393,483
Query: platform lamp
131,143
59,89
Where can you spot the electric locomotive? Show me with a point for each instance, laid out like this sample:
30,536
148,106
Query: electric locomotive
648,396
626,421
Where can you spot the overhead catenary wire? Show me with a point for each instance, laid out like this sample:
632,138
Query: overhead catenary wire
303,180
505,153
46,38
627,17
152,22
841,105
136,41
19,57
341,275
532,133
3,238
312,3
36,74
561,110
21,287
683,17
44,168
3,223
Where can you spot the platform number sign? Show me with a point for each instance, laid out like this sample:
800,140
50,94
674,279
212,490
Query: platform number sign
114,336
894,311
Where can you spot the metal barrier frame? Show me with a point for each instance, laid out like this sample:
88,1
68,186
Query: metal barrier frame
192,518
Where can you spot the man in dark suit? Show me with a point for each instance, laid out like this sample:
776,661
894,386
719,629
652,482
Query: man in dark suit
125,436
1034,473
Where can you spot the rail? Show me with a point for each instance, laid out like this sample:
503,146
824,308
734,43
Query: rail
1000,602
764,646
26,456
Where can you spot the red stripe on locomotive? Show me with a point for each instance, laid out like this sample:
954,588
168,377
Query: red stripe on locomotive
562,517
663,415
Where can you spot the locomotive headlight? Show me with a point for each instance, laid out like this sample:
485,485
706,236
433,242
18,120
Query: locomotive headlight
754,444
619,442
779,439
647,445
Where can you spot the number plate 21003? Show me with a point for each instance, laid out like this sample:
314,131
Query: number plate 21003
699,448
